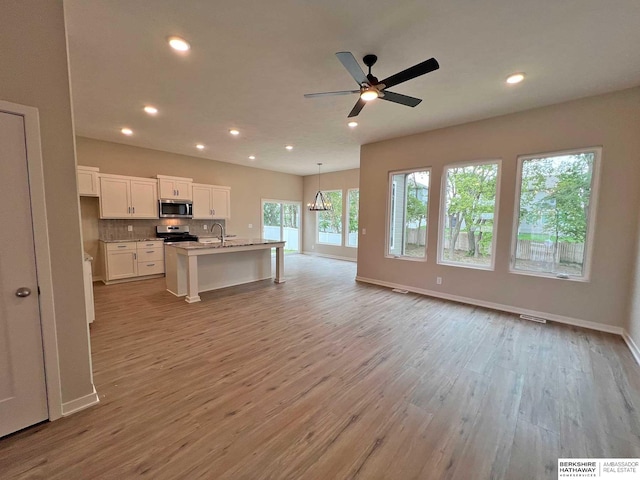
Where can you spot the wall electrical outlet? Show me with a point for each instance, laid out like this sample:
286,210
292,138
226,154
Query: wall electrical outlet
129,228
364,231
251,225
439,280
204,227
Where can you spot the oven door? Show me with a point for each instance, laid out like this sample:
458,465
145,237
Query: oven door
175,209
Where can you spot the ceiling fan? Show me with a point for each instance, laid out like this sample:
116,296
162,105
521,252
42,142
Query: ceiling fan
371,88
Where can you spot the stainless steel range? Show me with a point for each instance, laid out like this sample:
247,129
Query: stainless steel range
175,233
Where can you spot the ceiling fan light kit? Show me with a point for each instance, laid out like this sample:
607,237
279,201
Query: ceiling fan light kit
371,88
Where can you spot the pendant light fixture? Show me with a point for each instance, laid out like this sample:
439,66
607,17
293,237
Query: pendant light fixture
320,204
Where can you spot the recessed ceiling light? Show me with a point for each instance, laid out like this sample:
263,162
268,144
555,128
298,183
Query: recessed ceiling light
199,146
353,124
252,157
179,44
150,110
233,131
289,147
127,131
515,78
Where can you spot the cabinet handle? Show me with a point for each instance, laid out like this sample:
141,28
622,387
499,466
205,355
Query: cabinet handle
134,209
178,192
128,209
213,212
122,246
150,251
135,256
149,244
151,264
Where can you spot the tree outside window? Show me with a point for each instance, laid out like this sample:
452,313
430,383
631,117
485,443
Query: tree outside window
330,221
470,193
556,197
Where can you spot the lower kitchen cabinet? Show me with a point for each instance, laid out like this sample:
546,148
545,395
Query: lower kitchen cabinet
132,260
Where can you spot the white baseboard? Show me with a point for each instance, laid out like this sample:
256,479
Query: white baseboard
635,351
69,408
498,306
326,255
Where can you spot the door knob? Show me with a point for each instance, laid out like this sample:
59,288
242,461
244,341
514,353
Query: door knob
23,292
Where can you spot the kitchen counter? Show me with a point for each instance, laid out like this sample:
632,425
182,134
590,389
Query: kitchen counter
194,267
228,243
122,240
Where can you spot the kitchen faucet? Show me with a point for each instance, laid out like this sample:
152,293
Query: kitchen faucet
221,237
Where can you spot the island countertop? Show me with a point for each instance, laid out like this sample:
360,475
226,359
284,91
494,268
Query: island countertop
228,243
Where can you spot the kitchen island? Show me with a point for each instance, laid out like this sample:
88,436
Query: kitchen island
193,267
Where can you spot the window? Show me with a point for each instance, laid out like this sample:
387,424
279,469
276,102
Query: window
329,223
408,210
468,214
281,221
556,199
352,215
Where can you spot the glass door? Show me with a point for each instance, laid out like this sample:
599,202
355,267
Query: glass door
281,221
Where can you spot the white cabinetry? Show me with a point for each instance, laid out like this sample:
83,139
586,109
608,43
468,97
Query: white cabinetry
211,201
174,188
120,260
150,257
128,197
88,181
131,260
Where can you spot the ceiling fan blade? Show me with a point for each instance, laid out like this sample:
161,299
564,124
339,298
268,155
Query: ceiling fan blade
411,72
327,94
357,108
350,63
399,98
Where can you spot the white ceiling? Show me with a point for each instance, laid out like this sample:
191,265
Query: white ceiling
252,61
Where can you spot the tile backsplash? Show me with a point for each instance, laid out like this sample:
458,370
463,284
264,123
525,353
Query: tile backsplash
117,229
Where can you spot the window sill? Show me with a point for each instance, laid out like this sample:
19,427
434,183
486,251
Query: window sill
551,276
488,268
405,257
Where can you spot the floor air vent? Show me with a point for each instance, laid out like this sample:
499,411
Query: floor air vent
533,319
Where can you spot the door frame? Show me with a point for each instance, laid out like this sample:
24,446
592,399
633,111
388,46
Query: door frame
42,253
282,202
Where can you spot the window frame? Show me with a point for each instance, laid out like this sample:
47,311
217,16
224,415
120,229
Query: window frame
441,217
591,218
392,188
318,242
346,218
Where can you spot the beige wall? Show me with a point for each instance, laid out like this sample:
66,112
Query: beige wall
342,180
248,185
609,120
633,323
34,72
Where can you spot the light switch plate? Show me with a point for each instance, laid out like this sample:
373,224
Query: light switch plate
129,228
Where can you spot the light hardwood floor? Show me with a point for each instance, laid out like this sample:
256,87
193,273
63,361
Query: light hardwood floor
325,378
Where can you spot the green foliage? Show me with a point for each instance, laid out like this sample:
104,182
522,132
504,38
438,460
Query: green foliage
471,193
555,195
354,204
271,214
331,220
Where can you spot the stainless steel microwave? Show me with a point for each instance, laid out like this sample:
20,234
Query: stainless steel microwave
175,209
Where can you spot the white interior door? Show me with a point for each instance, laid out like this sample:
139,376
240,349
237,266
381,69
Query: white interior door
23,397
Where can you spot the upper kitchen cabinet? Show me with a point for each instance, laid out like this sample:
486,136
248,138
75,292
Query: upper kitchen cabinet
88,181
211,201
174,188
128,197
